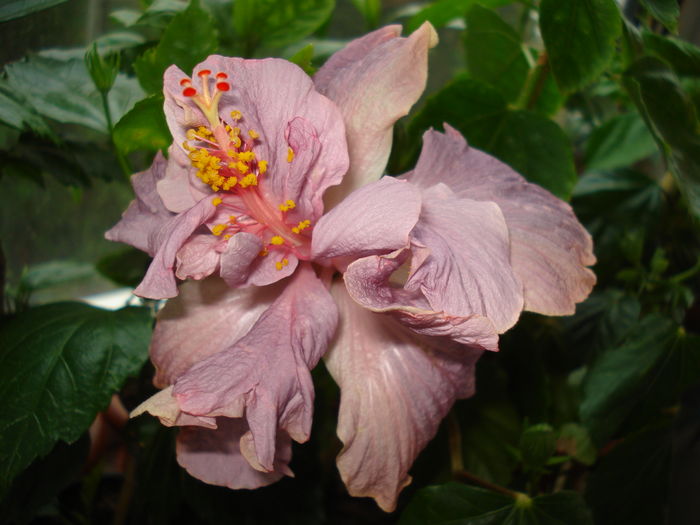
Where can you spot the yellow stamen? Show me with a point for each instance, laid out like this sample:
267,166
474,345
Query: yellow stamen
262,166
243,168
287,205
253,134
236,115
191,134
218,229
216,201
231,219
277,240
281,264
248,180
263,252
290,154
246,156
227,236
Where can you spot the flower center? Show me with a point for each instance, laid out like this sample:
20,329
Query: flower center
226,161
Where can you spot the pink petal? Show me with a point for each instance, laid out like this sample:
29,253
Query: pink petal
374,81
270,94
198,257
377,218
214,456
146,214
370,283
180,189
206,317
267,370
395,390
468,267
550,249
159,281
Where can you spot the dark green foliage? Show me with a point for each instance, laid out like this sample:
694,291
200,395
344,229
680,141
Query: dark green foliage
61,364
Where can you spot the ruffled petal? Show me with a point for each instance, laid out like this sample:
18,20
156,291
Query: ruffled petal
205,318
395,389
550,249
267,370
198,258
271,94
370,282
214,456
375,80
146,214
159,281
468,267
376,218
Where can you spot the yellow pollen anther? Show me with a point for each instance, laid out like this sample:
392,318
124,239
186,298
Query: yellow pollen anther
218,229
246,156
277,240
248,180
262,166
243,168
287,205
301,226
227,236
216,201
290,154
230,183
253,134
191,134
263,252
235,140
236,115
231,219
281,264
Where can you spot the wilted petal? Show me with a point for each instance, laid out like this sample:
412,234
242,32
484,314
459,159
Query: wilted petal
468,267
267,370
146,214
377,218
395,390
369,283
374,81
159,281
205,318
214,456
550,249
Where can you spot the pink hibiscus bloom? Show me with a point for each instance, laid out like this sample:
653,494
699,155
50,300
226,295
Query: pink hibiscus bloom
435,265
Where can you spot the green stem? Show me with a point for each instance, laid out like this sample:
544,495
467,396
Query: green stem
534,83
454,434
465,476
123,163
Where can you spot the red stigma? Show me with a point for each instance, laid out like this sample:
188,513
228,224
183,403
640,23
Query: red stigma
221,75
189,92
185,82
223,86
204,73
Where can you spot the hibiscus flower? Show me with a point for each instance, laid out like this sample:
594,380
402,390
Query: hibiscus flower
413,278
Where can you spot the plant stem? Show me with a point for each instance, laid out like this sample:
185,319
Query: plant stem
465,476
534,83
454,435
123,163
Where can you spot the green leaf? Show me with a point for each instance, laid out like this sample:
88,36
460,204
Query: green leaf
665,11
440,12
490,433
621,141
537,444
61,363
63,91
495,53
579,36
455,504
125,267
575,441
619,378
52,273
11,9
188,39
371,11
303,57
20,115
531,144
682,56
635,472
144,127
277,23
671,117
